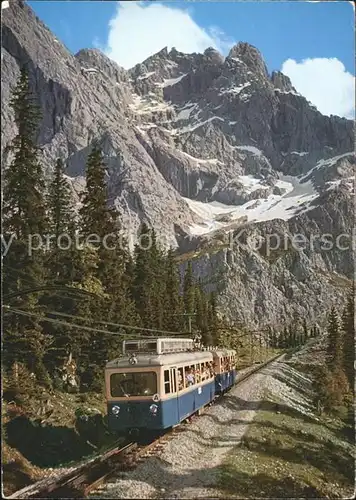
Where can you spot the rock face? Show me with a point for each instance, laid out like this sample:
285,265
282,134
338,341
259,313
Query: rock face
201,147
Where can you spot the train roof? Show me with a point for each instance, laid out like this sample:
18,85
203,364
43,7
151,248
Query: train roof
224,352
159,345
144,360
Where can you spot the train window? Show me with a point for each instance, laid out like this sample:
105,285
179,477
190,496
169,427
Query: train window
205,371
189,375
133,384
180,379
167,386
197,373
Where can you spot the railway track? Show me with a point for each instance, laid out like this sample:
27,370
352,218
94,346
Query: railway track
79,482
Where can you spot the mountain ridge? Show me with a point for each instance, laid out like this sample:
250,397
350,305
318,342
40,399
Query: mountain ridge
183,133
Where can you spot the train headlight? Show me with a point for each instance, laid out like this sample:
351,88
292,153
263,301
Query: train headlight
115,410
154,409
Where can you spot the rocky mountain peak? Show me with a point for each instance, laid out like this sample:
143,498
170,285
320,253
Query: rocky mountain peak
250,56
92,60
214,56
157,56
282,82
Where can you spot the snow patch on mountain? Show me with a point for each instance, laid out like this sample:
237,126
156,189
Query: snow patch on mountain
287,92
184,130
296,200
146,75
250,183
349,182
186,111
212,161
89,70
251,149
172,81
235,89
325,164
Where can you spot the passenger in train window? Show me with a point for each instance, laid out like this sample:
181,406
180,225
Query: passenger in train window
197,374
190,377
180,379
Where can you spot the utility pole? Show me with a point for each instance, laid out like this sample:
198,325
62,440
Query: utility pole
189,315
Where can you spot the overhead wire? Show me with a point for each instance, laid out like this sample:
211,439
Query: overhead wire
119,325
76,317
70,292
83,327
65,323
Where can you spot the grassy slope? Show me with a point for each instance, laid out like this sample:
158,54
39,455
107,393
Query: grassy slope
287,454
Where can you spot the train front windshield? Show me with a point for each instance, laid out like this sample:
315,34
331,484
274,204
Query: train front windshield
133,384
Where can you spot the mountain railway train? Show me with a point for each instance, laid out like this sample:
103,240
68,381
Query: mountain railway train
158,383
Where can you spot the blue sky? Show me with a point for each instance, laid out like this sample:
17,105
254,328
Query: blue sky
282,31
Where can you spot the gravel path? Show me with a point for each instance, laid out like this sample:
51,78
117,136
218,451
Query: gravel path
188,465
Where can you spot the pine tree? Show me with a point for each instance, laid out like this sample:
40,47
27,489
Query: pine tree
334,349
283,338
158,282
24,219
348,327
111,274
323,386
189,290
173,302
59,202
97,222
141,277
61,224
305,330
89,349
213,321
290,342
201,318
96,217
24,210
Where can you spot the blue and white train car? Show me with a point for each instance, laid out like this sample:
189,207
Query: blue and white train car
158,383
225,369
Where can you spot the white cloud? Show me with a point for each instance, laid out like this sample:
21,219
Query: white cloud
325,83
139,30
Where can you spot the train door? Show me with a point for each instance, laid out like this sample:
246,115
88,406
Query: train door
174,390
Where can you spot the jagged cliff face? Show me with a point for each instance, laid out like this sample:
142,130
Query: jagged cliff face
198,145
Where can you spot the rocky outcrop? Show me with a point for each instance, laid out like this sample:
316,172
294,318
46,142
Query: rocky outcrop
179,129
282,82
